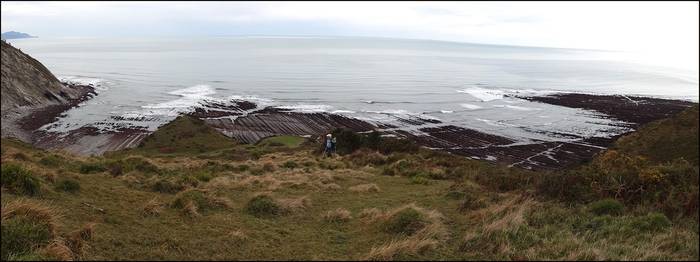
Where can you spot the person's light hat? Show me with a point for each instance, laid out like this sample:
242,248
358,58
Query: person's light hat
328,135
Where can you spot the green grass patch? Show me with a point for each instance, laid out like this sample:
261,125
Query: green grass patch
263,206
19,180
282,141
406,222
68,185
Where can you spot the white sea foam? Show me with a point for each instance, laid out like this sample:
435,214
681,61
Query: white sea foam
470,106
343,112
199,91
189,97
97,83
522,108
306,108
483,94
446,111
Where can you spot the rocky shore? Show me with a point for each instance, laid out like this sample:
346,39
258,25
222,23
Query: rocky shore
245,122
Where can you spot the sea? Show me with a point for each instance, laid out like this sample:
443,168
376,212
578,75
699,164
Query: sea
375,79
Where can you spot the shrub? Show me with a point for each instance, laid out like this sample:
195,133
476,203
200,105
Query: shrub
165,186
20,156
290,164
203,176
68,185
406,221
347,141
140,164
25,227
89,168
607,207
392,145
571,186
51,160
263,206
19,180
243,167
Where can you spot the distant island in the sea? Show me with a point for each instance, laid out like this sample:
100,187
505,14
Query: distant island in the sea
15,35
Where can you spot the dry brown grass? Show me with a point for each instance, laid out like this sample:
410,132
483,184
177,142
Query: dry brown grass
370,214
33,210
294,204
190,209
152,208
372,188
57,251
331,187
238,235
501,217
427,238
411,246
220,201
338,215
87,231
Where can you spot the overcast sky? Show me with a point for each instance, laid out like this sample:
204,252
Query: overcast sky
666,32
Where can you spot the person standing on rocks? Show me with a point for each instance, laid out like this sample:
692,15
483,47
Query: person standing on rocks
333,145
328,145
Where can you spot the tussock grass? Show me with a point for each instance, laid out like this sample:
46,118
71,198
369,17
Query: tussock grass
238,235
19,180
152,208
263,206
194,200
57,251
420,230
68,185
370,188
337,215
26,226
294,204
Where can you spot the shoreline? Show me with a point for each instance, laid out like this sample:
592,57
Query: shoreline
23,122
243,121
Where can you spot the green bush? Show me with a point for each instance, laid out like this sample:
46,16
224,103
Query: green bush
290,164
607,207
203,176
89,168
140,164
68,185
263,206
406,221
165,186
243,167
22,234
19,180
420,180
51,160
20,156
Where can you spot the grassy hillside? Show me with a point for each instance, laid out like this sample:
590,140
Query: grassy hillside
280,199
